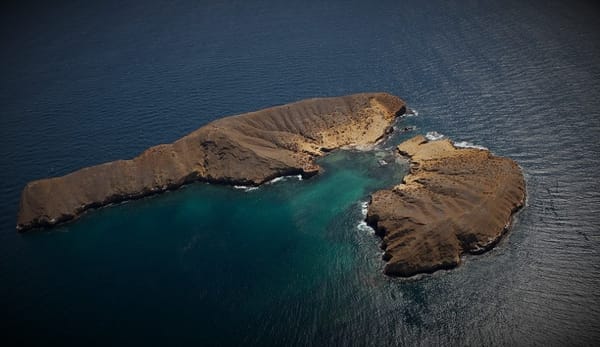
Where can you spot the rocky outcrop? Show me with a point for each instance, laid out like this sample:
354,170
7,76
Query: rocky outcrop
453,201
247,149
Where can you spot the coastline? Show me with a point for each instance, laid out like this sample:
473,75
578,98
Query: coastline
454,201
244,150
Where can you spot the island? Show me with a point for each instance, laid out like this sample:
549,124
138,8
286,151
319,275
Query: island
247,149
454,201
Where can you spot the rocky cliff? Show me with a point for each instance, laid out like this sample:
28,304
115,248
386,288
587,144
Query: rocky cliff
246,149
453,201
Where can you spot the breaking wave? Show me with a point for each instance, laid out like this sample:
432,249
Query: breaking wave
362,225
274,180
246,188
434,136
411,113
284,178
466,144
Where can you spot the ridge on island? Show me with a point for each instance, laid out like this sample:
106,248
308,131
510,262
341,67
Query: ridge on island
453,201
247,149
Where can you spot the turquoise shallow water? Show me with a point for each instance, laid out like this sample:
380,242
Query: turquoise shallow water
89,82
232,265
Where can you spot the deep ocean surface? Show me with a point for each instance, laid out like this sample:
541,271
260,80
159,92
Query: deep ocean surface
289,264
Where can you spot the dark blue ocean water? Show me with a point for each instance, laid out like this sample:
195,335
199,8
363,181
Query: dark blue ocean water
287,264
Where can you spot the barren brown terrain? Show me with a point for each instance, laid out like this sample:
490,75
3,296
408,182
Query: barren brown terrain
453,201
246,149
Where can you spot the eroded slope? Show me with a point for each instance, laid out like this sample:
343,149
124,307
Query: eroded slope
453,201
246,149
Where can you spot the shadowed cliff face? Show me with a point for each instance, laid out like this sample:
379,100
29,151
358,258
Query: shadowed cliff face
453,201
246,149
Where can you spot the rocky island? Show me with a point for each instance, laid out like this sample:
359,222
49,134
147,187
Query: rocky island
247,149
453,201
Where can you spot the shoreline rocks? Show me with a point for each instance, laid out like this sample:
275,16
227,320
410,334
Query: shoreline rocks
453,201
247,149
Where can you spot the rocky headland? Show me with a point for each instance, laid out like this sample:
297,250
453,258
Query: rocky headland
247,149
454,201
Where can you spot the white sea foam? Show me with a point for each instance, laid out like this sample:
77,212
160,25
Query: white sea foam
276,179
411,113
466,144
284,178
362,226
364,208
245,188
434,136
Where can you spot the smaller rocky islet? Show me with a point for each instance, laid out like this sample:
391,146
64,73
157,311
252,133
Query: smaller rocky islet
453,201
